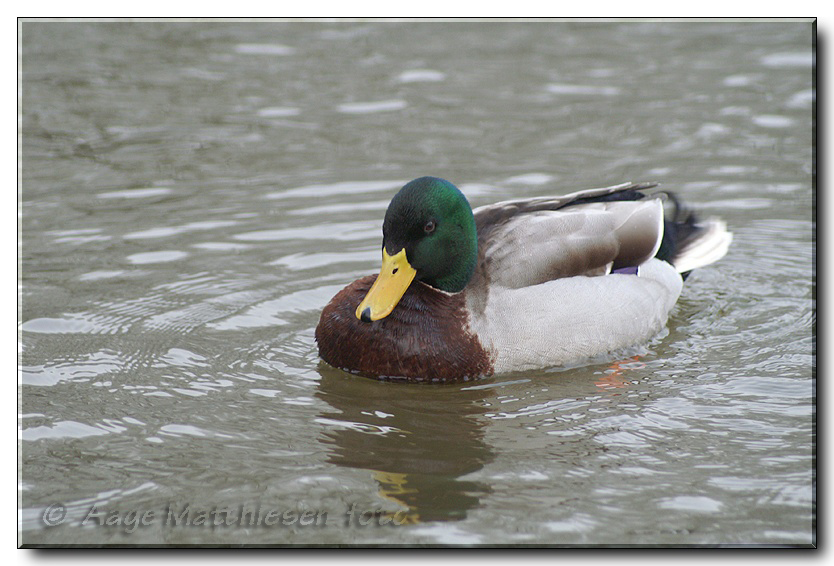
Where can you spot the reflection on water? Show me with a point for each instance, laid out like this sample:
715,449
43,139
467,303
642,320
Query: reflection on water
194,193
415,446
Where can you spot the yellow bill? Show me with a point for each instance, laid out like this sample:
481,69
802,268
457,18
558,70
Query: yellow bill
393,281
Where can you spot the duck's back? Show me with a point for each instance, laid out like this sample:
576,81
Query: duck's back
531,241
564,279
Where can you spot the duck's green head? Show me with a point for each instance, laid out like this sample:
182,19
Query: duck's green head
428,235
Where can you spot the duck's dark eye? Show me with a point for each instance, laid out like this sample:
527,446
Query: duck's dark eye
429,227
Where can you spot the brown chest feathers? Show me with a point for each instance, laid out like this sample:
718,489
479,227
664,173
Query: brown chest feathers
425,338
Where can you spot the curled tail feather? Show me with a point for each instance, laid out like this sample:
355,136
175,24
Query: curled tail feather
689,243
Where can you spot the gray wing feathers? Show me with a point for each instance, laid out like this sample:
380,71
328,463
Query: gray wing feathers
551,202
583,239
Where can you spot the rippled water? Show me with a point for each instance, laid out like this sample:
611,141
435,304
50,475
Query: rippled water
194,193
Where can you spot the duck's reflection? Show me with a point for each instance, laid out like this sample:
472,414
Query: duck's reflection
415,440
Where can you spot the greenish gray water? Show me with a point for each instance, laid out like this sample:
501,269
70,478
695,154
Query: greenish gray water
194,193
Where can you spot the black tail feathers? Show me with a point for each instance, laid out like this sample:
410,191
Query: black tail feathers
679,227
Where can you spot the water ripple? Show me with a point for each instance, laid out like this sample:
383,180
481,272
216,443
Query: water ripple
371,107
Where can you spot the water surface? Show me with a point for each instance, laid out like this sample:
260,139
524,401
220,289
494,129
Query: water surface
194,193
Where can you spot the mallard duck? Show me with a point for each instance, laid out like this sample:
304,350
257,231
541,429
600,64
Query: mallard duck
518,285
